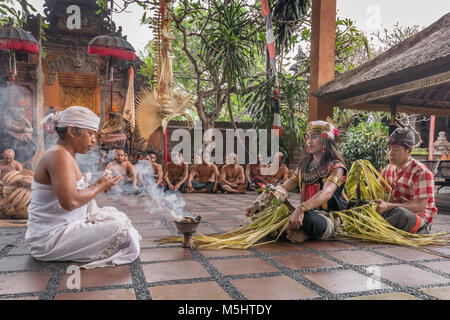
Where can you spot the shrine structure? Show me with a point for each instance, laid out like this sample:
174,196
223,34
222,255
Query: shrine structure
63,74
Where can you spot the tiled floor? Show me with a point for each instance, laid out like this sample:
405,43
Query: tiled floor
311,270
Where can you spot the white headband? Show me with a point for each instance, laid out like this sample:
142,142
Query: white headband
75,116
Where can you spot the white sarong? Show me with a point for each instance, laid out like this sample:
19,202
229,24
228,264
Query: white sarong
100,236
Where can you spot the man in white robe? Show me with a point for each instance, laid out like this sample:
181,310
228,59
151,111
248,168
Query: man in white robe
65,223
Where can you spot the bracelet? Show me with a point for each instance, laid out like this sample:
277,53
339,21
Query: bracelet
304,207
334,179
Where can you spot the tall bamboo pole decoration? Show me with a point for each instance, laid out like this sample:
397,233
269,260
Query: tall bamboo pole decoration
164,54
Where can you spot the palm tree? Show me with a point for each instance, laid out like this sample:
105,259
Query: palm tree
230,45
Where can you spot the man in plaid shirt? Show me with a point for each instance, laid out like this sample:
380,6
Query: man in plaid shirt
411,207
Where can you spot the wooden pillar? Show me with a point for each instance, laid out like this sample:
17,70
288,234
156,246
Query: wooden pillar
431,138
323,43
392,123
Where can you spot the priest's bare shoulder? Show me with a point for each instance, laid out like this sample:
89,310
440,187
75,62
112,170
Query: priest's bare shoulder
58,167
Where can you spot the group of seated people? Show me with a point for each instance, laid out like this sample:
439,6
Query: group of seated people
65,223
204,176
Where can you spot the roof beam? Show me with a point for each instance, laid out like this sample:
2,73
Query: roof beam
434,80
400,108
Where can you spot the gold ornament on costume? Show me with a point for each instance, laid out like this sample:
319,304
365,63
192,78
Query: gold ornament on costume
326,128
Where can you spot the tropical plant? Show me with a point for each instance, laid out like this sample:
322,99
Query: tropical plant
229,42
366,141
293,101
10,10
288,16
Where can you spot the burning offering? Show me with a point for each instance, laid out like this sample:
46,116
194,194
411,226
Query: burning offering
187,226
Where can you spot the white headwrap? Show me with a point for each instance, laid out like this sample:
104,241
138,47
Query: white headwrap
76,116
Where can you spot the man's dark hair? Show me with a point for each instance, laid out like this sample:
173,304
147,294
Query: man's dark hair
392,142
62,132
151,152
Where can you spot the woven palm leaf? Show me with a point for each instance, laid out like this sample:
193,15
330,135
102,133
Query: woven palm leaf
178,104
147,107
147,117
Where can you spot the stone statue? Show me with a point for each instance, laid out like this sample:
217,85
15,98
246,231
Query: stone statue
441,145
113,132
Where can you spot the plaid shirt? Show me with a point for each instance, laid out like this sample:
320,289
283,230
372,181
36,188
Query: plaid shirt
413,181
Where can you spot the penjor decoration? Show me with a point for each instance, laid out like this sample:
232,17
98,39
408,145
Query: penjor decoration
155,107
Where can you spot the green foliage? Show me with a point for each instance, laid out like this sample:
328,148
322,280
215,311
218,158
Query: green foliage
345,118
366,141
419,151
293,109
228,41
287,16
17,10
348,41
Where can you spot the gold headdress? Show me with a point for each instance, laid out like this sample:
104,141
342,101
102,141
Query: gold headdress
326,128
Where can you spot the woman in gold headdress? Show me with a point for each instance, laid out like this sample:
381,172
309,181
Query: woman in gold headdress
320,177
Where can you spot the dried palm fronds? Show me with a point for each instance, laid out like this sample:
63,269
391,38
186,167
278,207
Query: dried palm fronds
148,118
273,219
364,223
364,183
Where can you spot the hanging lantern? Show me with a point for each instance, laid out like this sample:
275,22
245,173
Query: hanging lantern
16,39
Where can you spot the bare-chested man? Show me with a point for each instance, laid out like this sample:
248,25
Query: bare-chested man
8,163
123,168
255,180
278,172
204,176
176,173
157,168
147,170
232,178
65,223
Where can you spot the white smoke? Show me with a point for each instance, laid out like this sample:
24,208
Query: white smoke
160,202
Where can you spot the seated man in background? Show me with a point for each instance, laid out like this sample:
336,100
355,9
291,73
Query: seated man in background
176,173
157,168
277,172
204,176
123,168
412,206
232,178
8,163
253,175
148,171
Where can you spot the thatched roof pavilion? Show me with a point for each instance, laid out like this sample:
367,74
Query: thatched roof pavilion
411,77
